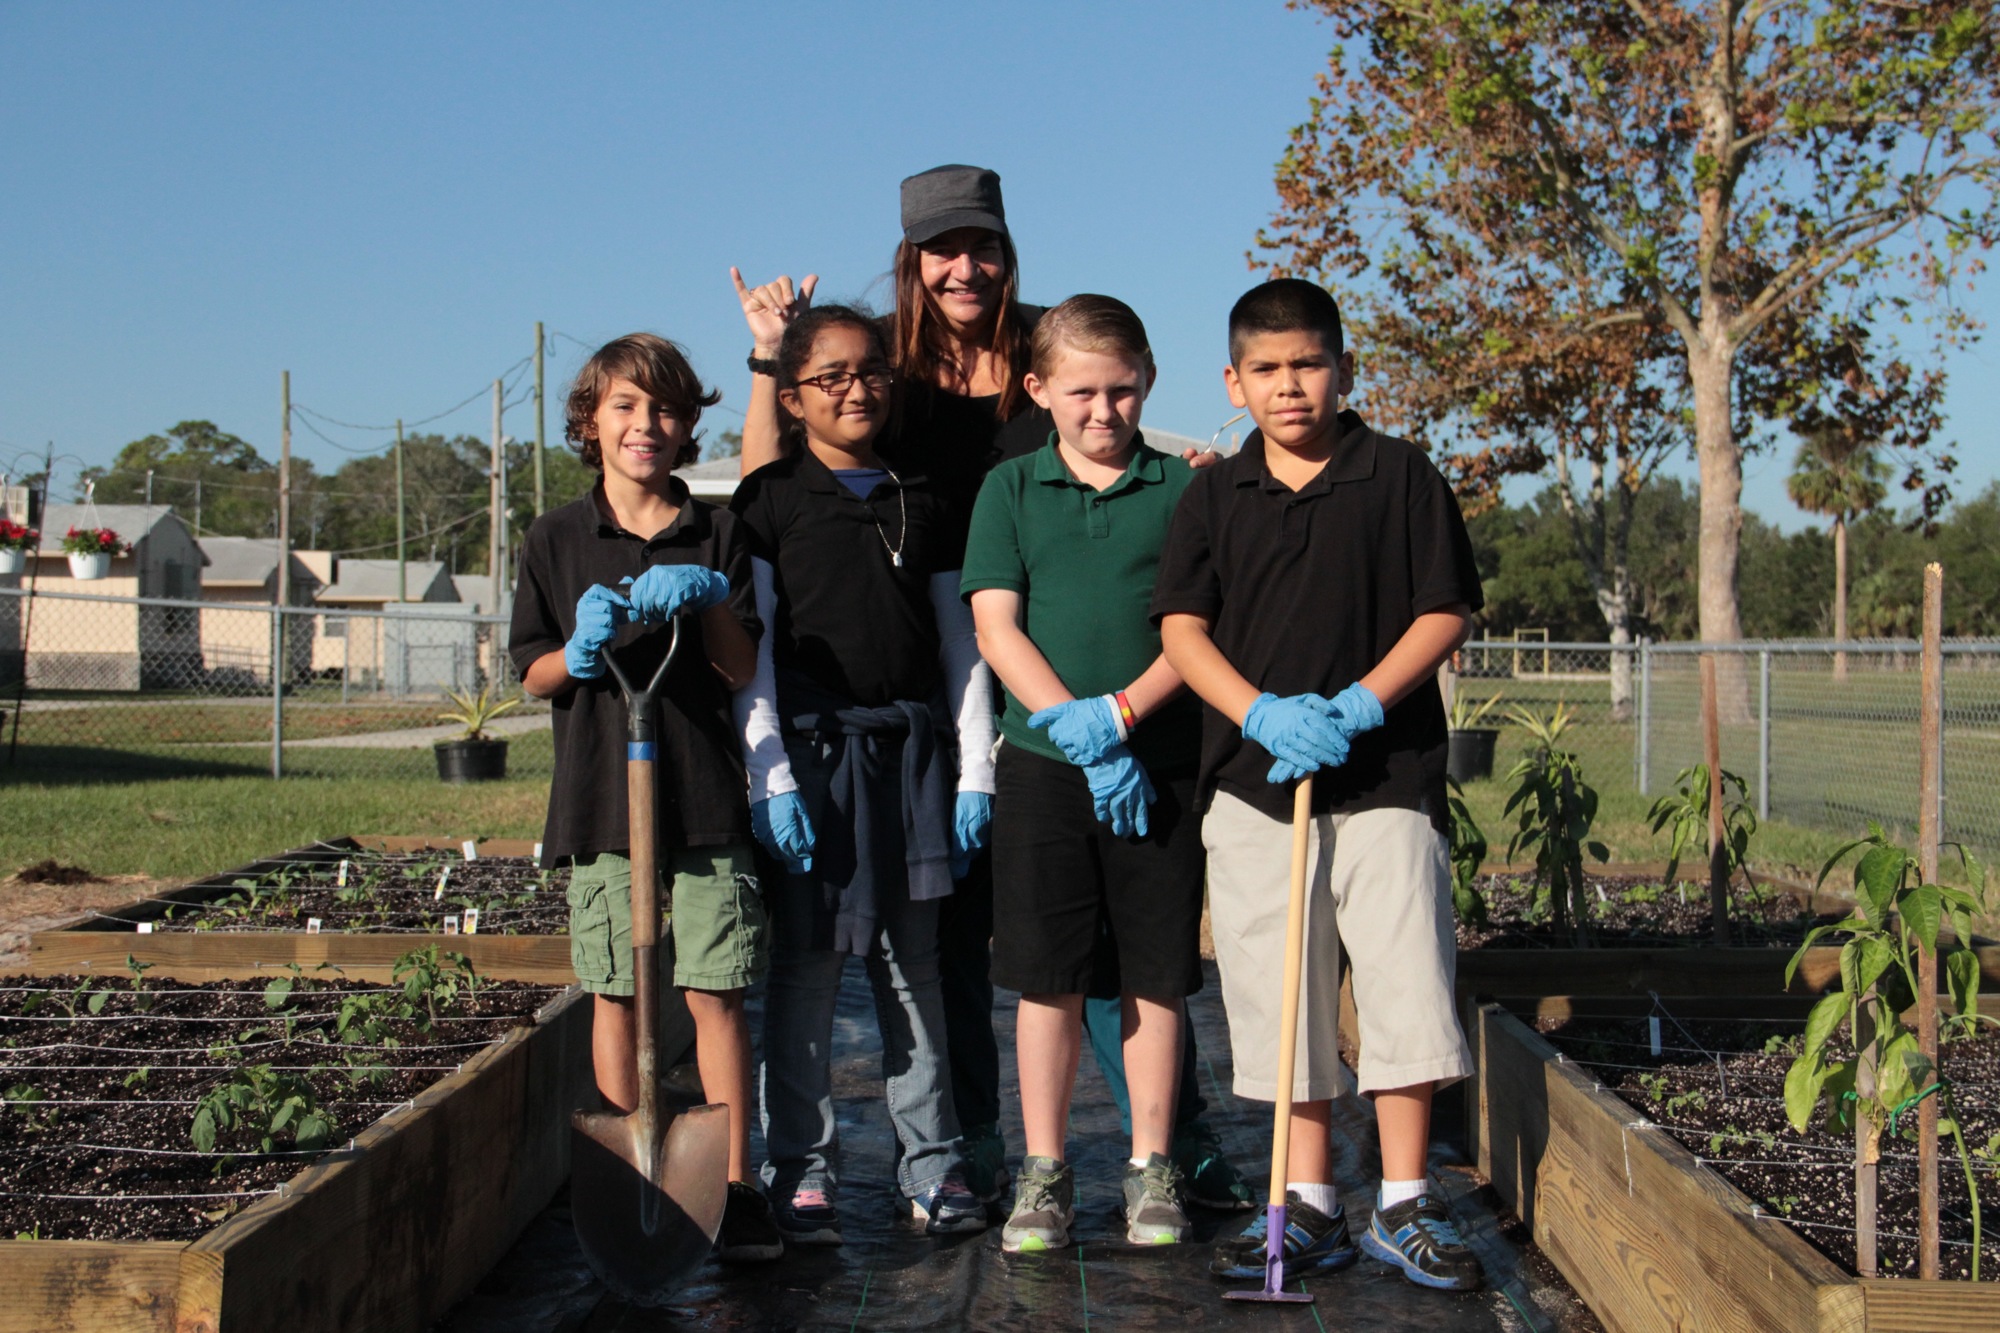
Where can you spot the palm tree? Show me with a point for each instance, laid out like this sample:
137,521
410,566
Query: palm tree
1835,476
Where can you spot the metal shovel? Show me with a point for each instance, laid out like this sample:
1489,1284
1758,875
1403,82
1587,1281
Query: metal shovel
647,1194
1288,1041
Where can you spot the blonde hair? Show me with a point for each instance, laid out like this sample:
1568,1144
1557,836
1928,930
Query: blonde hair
1088,323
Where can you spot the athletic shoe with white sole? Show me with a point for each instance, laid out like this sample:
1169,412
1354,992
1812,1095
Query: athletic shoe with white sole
1418,1237
1314,1243
1044,1208
1153,1211
808,1216
948,1208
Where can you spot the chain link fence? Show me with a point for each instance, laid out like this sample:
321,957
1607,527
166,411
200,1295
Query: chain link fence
147,684
1823,734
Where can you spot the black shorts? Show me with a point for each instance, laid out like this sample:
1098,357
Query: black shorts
1077,911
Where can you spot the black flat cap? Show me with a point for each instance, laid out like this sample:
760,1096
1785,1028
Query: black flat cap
942,198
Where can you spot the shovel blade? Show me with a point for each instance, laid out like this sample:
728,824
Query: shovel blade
647,1204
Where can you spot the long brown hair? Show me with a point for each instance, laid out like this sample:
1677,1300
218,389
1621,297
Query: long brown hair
654,364
921,346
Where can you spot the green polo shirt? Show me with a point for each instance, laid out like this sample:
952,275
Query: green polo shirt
1084,562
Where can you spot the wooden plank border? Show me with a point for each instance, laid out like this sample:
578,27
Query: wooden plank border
1650,1239
387,1235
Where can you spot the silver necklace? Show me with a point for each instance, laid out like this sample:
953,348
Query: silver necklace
902,524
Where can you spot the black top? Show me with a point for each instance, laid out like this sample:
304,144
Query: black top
848,616
703,797
1308,592
956,439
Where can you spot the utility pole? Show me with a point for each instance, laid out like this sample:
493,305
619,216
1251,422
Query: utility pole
197,502
402,556
283,581
541,425
494,501
149,488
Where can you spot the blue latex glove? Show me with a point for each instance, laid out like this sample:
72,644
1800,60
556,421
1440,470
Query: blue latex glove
1356,709
971,819
664,591
781,824
599,613
1300,732
1120,791
1083,729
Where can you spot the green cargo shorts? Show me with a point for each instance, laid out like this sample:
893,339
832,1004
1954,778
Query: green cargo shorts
720,934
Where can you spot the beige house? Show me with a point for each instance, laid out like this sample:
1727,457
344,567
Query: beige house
97,645
354,645
244,571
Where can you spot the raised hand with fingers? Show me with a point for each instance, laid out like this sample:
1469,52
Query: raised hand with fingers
1120,791
1083,729
599,614
664,591
768,308
1300,732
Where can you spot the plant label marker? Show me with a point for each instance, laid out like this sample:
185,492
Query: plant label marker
340,876
471,849
312,925
444,877
472,920
145,927
1653,1031
451,924
538,851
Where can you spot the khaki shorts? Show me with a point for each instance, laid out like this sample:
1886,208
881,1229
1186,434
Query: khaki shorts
720,935
1377,885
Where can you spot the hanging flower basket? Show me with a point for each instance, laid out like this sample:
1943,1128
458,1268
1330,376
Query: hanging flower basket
15,543
90,551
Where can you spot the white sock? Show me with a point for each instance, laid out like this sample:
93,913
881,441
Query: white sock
1322,1196
1138,1161
1397,1191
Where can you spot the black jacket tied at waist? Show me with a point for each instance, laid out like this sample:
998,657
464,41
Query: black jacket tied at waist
870,845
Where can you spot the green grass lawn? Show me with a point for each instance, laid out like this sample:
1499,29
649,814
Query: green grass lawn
166,721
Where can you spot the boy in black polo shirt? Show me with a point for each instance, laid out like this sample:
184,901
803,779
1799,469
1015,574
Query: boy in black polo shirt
602,575
1309,590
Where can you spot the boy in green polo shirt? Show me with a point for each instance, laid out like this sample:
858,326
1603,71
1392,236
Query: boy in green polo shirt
1094,823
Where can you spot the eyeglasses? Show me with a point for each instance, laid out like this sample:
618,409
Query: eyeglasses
836,383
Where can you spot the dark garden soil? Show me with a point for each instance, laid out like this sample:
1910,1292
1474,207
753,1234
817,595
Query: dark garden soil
1718,1089
1630,912
390,892
97,1099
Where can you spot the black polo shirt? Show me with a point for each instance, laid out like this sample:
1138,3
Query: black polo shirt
955,439
703,794
1308,591
850,618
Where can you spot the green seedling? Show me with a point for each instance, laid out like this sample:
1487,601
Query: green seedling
28,1101
139,1077
1468,851
262,1104
435,978
1554,809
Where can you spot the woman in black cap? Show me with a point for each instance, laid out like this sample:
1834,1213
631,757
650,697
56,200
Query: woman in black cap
959,338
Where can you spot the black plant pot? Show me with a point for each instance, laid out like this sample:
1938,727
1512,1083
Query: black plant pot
1471,754
471,761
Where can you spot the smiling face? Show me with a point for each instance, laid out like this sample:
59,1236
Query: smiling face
964,272
840,427
639,441
1292,384
1095,398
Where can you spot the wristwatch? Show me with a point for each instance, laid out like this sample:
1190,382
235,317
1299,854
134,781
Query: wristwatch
762,365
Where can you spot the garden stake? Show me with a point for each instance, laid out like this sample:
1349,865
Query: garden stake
647,1196
1930,766
1288,1039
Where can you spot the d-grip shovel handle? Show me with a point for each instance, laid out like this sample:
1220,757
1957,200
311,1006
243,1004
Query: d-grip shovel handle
641,754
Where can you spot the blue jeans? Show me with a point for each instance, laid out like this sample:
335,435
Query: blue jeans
800,1133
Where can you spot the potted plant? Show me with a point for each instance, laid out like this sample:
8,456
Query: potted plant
1470,756
15,543
90,551
474,756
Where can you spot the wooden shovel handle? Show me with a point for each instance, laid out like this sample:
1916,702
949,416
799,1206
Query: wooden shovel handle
1288,1021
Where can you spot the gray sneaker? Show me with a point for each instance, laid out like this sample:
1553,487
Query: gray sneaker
1153,1203
1044,1208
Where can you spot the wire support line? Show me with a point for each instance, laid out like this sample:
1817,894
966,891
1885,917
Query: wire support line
43,1149
1843,1156
235,1046
69,990
1764,1214
1740,1073
177,1101
459,406
108,1198
1637,1045
273,1017
342,1070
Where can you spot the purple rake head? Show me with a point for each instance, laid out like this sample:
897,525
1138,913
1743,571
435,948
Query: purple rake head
1274,1264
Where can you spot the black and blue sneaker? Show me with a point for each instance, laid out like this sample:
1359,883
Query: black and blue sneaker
1314,1243
1417,1236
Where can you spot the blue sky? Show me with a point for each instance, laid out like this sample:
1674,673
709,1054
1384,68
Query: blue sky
383,199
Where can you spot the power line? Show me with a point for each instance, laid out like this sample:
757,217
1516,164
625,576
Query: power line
462,404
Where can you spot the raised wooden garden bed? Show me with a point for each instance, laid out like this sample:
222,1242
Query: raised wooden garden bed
1650,1237
385,1235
